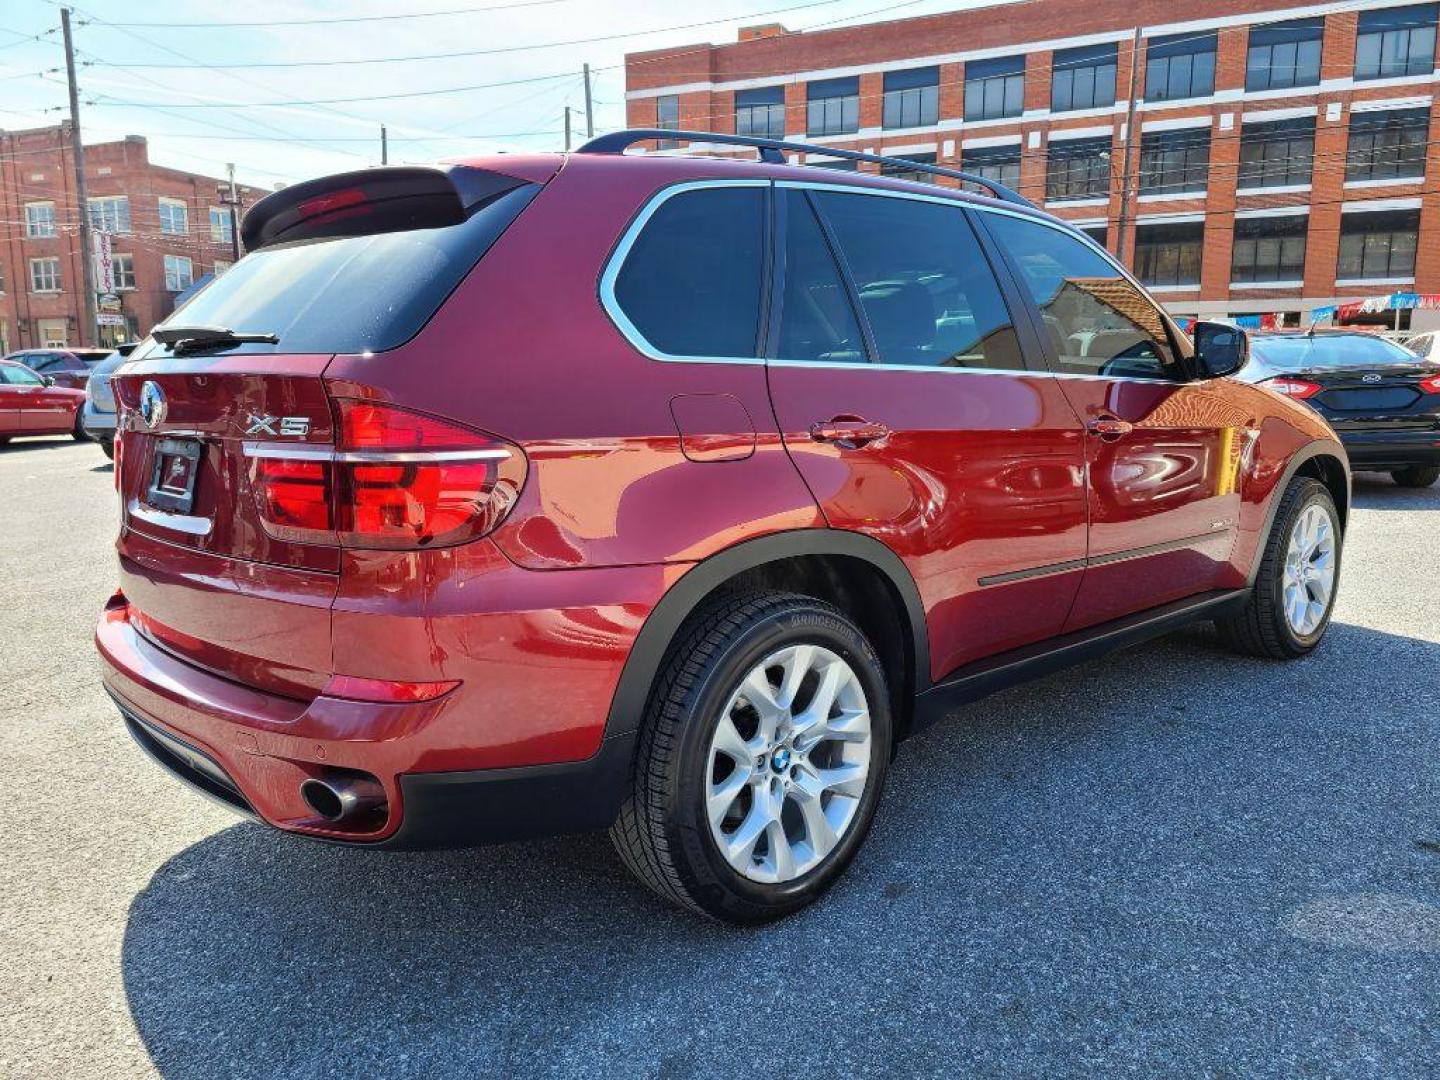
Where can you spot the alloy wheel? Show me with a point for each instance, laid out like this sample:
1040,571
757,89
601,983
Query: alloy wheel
1308,579
788,764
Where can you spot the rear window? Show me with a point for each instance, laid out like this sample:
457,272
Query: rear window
1301,353
348,294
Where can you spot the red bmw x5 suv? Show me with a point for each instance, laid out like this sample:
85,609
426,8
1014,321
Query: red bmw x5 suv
669,494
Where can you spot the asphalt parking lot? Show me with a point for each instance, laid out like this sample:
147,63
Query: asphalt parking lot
1173,862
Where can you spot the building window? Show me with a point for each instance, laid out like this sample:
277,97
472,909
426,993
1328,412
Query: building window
179,274
39,219
124,268
1180,66
994,88
174,217
221,265
920,176
1277,154
761,112
667,116
837,164
110,214
998,163
1396,42
1284,54
220,224
1269,249
1099,233
1174,161
1169,255
912,98
1387,145
45,274
833,107
1083,78
1378,244
1078,169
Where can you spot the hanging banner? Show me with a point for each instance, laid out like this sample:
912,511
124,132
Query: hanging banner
104,262
1324,314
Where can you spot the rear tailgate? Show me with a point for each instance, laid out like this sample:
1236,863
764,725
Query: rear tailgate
204,579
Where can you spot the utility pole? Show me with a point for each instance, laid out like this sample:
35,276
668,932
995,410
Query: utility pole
234,213
589,107
567,129
384,147
89,334
1123,221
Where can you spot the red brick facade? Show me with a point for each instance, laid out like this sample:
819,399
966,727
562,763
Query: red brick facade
37,170
705,78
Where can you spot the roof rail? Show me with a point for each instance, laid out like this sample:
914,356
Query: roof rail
772,152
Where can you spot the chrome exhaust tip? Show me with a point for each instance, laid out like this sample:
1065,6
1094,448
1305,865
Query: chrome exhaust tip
342,798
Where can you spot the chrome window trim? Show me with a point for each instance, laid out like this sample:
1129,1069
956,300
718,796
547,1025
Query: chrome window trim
616,263
633,335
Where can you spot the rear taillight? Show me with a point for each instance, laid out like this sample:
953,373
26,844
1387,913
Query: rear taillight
119,454
1296,388
396,479
1431,385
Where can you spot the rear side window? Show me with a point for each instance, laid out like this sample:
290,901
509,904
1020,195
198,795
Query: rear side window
349,294
691,281
925,285
1097,321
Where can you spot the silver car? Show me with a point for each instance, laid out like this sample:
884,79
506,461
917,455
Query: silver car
98,416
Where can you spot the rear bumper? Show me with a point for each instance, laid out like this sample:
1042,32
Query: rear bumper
97,424
251,751
1391,449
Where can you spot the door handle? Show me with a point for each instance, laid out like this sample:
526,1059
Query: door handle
1110,428
848,431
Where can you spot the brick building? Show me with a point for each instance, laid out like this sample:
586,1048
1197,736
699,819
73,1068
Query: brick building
168,228
1283,155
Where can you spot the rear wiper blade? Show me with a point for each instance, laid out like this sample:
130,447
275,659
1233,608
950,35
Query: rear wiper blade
179,338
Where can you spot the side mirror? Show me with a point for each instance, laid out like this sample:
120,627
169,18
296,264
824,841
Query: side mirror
48,380
1220,349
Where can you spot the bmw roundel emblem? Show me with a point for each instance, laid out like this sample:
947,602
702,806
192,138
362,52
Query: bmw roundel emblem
153,405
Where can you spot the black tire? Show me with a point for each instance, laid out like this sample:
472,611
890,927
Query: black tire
78,431
1417,476
662,832
107,446
1261,628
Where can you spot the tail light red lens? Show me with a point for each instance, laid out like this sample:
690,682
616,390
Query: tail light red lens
397,479
1431,385
354,688
1296,388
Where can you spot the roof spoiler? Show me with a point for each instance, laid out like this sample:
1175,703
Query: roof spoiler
374,200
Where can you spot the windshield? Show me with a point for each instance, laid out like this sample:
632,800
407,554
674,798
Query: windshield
347,294
1304,353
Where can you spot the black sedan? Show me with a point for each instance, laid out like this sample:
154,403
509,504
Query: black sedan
1381,399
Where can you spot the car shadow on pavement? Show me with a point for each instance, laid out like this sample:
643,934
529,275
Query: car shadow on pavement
1133,864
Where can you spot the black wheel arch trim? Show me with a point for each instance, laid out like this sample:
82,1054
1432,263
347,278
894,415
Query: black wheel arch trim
627,706
1318,449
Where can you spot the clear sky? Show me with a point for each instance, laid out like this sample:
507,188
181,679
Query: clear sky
171,83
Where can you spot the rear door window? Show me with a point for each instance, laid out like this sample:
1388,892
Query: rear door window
1097,321
925,286
817,319
349,294
691,282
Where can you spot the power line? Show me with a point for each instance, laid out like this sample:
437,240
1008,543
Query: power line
535,46
337,19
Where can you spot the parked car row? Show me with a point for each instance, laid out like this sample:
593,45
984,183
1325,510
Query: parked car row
60,392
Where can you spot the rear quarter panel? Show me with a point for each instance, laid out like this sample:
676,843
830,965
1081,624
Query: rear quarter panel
524,350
